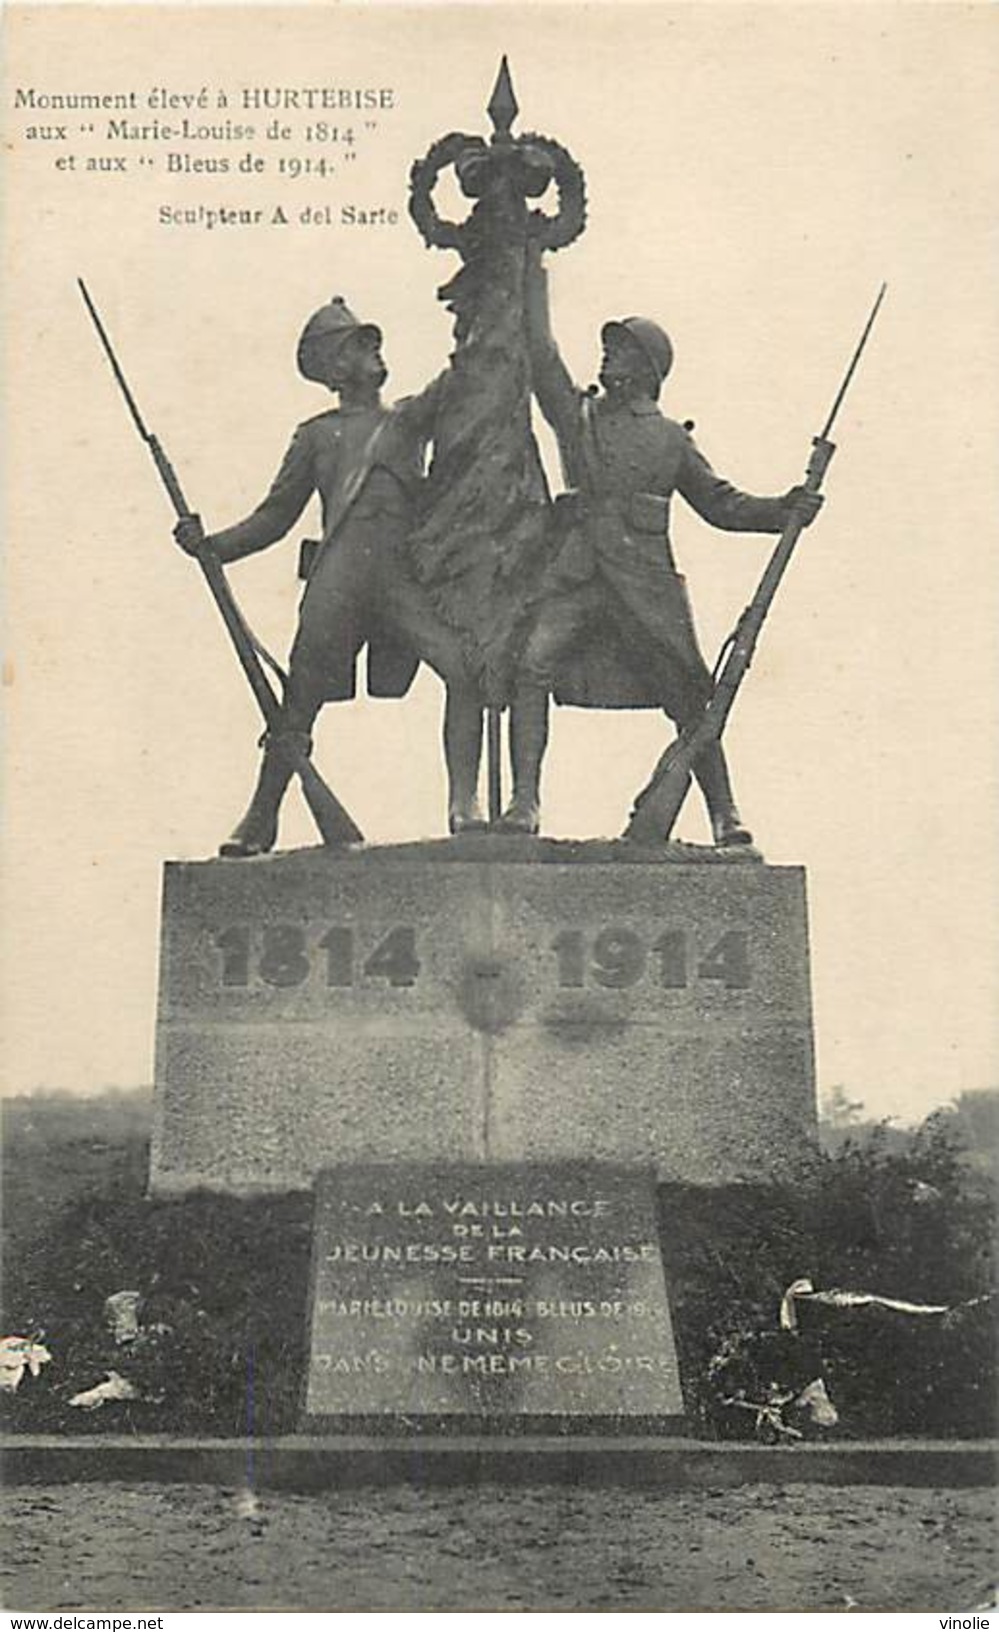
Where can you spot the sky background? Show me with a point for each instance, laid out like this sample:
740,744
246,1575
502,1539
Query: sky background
753,173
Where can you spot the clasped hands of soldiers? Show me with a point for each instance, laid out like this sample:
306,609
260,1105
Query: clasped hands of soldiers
192,538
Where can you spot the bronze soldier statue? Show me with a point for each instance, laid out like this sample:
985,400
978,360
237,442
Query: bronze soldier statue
612,626
365,460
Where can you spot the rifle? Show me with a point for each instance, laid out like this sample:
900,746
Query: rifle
336,826
658,804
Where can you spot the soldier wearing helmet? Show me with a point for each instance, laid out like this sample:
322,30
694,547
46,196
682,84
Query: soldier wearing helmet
612,626
365,461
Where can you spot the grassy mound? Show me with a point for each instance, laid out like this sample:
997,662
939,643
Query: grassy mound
224,1284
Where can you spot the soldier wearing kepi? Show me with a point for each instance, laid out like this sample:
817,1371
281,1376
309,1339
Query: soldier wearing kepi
612,627
365,460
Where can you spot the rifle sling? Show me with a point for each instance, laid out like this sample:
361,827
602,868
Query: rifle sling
352,488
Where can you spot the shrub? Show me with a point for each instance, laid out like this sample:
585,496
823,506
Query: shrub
226,1281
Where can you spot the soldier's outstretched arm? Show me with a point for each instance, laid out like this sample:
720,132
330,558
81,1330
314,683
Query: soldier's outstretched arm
558,395
417,414
726,506
286,498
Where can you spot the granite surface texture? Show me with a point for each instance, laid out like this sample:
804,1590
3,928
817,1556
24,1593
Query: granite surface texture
489,1293
480,1001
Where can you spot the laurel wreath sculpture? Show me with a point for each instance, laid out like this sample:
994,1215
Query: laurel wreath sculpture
543,159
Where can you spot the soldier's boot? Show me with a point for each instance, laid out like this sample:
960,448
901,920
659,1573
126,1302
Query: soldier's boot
711,771
528,741
257,832
462,753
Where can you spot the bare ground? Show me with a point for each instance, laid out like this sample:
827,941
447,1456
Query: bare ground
764,1547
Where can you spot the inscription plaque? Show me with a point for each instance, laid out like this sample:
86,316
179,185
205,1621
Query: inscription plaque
492,1292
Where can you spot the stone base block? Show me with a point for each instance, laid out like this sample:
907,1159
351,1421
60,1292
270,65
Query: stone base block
480,1000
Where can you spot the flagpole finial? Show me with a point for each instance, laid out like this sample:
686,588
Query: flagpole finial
502,106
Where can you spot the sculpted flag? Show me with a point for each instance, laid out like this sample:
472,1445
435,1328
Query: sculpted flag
479,547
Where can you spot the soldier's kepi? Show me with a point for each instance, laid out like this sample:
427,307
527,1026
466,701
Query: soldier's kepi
612,624
365,461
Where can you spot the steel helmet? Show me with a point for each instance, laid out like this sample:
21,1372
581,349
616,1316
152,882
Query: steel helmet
335,321
654,342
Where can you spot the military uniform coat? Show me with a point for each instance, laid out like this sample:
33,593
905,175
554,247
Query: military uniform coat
626,462
367,467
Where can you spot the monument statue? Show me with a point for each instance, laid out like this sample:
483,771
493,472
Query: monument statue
658,804
479,546
612,626
482,1068
336,826
365,460
469,566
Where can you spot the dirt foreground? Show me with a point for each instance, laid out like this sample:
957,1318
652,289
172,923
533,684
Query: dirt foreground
793,1547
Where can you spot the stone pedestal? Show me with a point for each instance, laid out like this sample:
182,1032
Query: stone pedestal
482,1001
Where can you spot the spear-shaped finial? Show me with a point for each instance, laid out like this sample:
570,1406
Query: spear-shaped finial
502,106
